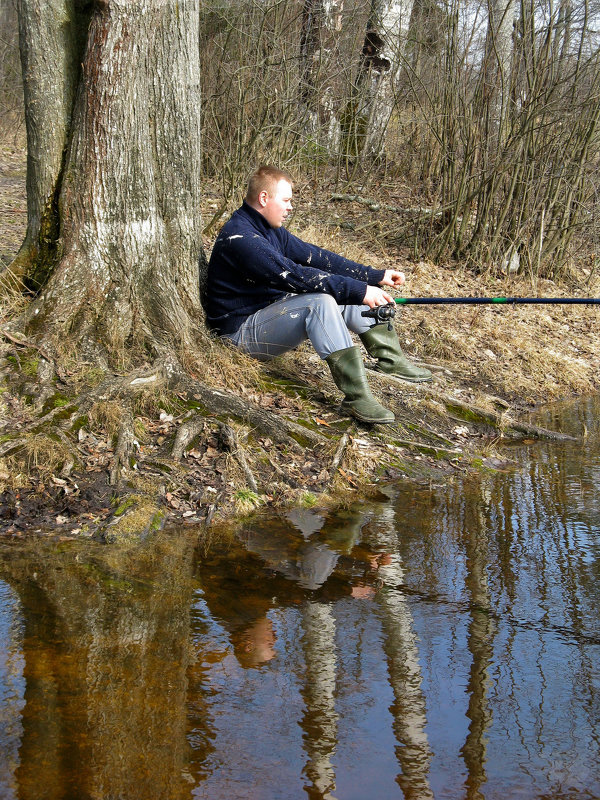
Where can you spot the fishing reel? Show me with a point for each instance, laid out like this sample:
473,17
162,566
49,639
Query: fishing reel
382,314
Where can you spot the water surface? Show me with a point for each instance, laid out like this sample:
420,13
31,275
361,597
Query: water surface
439,642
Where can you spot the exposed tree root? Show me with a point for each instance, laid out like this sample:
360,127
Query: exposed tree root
186,433
266,422
12,446
120,387
232,443
124,448
218,402
473,413
22,341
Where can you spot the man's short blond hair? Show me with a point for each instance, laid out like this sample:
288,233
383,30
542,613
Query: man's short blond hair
265,179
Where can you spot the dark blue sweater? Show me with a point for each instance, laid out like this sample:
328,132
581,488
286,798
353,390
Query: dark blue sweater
253,265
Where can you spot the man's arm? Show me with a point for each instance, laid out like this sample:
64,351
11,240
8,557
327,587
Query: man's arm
257,261
332,262
310,255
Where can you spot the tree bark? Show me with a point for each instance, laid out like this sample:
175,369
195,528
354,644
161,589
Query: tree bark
50,39
124,194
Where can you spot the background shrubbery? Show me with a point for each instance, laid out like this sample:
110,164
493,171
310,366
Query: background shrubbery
479,118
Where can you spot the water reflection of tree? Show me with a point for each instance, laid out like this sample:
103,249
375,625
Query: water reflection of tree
320,719
550,516
402,653
482,628
106,647
11,689
526,556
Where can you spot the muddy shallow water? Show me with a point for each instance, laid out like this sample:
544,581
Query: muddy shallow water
440,642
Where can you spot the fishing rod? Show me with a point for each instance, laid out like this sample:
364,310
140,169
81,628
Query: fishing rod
387,312
430,301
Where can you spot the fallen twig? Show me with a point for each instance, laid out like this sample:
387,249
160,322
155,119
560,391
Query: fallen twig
373,205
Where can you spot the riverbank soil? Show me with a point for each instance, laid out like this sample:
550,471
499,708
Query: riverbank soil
74,462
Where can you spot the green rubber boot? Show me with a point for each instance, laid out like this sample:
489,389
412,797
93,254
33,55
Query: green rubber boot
382,343
348,371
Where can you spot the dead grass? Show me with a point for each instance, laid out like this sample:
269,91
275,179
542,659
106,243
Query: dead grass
106,415
332,237
219,363
151,402
11,477
13,301
534,353
246,502
13,201
41,454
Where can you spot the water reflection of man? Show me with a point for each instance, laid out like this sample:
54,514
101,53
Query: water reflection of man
267,566
275,565
254,644
239,593
305,561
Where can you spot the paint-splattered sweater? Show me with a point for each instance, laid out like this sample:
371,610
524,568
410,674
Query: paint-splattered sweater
253,265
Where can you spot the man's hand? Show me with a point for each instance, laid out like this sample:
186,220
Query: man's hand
392,278
376,297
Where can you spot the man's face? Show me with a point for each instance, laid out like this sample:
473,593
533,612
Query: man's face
276,206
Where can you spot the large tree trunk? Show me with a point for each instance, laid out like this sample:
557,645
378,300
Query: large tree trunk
125,221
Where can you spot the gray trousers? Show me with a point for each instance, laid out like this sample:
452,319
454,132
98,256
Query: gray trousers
287,323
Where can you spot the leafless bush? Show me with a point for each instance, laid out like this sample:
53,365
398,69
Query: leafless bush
508,136
272,85
486,110
493,117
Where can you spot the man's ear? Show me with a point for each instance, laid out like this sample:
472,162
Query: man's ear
263,197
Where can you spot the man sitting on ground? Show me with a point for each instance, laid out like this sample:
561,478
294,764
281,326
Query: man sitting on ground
267,291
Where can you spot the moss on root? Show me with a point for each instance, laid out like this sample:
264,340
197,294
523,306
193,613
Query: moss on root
134,519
